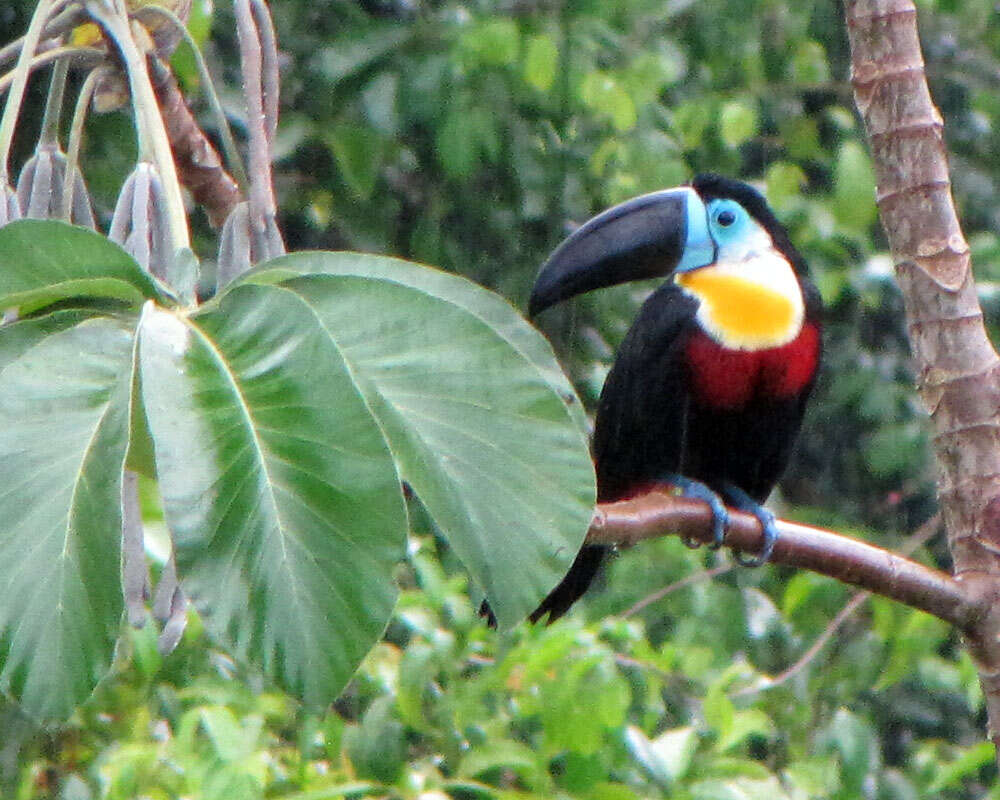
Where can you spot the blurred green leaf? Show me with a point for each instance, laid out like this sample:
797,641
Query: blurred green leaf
853,740
809,63
668,757
570,724
229,739
854,187
358,151
816,776
491,43
719,712
415,675
602,93
784,183
503,754
458,146
970,762
921,634
541,59
739,789
737,122
351,54
376,746
692,120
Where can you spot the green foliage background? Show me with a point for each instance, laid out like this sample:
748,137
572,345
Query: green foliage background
467,135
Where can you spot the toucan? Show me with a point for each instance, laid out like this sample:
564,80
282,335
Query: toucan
708,388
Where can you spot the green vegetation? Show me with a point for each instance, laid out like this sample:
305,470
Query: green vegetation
465,135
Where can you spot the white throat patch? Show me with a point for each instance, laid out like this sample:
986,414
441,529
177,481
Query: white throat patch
750,298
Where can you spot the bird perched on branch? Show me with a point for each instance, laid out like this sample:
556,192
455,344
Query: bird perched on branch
709,386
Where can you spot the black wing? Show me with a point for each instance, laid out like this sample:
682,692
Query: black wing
639,431
641,423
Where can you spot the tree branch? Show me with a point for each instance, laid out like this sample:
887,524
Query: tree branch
825,552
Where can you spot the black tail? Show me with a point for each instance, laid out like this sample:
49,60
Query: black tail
570,589
574,584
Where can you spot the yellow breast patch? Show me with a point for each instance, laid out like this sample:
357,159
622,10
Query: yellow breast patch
743,313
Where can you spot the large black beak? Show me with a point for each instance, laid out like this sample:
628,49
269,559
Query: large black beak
645,237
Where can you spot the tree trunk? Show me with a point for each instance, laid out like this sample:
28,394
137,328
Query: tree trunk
958,369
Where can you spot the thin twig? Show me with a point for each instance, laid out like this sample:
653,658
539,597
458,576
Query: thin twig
76,137
683,583
634,663
270,79
919,538
803,661
19,82
61,23
52,117
84,56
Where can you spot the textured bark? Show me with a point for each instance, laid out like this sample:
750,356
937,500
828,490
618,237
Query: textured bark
198,164
958,369
825,552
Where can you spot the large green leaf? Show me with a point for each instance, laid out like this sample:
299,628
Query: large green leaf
451,289
43,261
64,414
475,409
277,484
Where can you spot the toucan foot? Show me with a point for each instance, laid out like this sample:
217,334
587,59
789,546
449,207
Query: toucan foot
696,490
739,499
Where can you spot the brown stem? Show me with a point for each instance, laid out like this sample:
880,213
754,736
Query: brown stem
848,560
198,164
958,369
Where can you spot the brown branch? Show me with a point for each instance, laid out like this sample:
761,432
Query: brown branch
958,369
198,164
825,552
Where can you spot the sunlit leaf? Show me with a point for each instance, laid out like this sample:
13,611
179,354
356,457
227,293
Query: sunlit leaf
737,122
480,419
784,184
854,186
541,58
492,42
668,757
602,93
279,491
809,63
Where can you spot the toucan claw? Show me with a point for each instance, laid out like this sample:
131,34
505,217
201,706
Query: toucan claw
742,501
696,490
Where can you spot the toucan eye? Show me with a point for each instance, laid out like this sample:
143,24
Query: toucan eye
726,218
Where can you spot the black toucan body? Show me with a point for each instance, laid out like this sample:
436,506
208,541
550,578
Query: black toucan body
709,386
